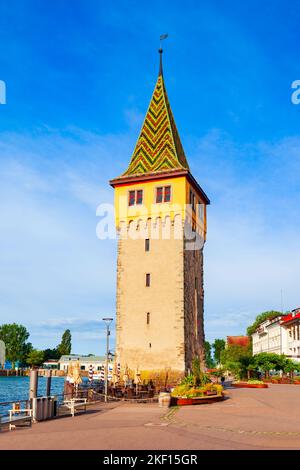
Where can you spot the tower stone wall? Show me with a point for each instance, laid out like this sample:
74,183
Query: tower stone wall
160,326
150,320
193,307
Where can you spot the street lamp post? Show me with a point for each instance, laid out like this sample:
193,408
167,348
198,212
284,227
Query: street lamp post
107,321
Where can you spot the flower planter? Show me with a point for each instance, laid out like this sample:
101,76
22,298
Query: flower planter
282,382
198,400
246,385
184,401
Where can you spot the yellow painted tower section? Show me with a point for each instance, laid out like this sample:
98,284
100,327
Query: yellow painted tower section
159,307
179,202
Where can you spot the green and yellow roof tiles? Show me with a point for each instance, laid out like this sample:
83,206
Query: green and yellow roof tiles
158,147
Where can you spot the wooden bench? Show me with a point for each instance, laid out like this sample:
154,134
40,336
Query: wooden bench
17,418
75,403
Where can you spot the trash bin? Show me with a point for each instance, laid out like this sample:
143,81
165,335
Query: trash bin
44,408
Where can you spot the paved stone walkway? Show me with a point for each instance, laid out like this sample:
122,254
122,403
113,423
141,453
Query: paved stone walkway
248,419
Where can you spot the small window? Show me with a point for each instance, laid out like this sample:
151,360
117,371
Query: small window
167,197
201,210
139,196
135,197
131,198
150,345
159,195
193,200
148,318
163,194
147,244
147,280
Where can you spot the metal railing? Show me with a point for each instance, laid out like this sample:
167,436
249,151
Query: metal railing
5,406
91,393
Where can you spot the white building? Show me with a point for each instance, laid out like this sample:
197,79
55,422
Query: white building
279,335
51,364
97,362
291,326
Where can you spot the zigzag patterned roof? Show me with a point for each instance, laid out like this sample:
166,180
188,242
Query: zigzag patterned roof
158,147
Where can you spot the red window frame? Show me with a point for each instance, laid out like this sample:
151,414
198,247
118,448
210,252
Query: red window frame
167,193
139,196
131,198
159,194
135,197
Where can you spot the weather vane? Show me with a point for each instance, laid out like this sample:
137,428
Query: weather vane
162,37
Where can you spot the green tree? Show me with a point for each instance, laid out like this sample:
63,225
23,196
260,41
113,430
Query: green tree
51,354
208,359
15,337
234,367
289,368
35,358
261,318
237,359
27,349
267,362
286,365
64,348
219,346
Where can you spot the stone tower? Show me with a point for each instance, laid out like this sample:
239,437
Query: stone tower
161,224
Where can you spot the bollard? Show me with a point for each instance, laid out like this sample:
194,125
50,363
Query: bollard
33,384
48,383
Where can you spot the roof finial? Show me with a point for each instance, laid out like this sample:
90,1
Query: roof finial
160,50
160,62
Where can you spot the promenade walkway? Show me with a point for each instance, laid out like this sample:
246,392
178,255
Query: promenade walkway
249,419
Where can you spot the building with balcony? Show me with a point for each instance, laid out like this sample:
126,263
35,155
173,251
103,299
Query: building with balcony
268,337
279,335
291,325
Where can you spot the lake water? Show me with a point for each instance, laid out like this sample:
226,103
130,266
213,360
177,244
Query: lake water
17,388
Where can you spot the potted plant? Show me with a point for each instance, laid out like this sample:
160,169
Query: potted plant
197,388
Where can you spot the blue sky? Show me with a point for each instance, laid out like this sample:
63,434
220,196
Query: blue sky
79,77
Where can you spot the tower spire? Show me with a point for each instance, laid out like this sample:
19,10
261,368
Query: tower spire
162,37
160,62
